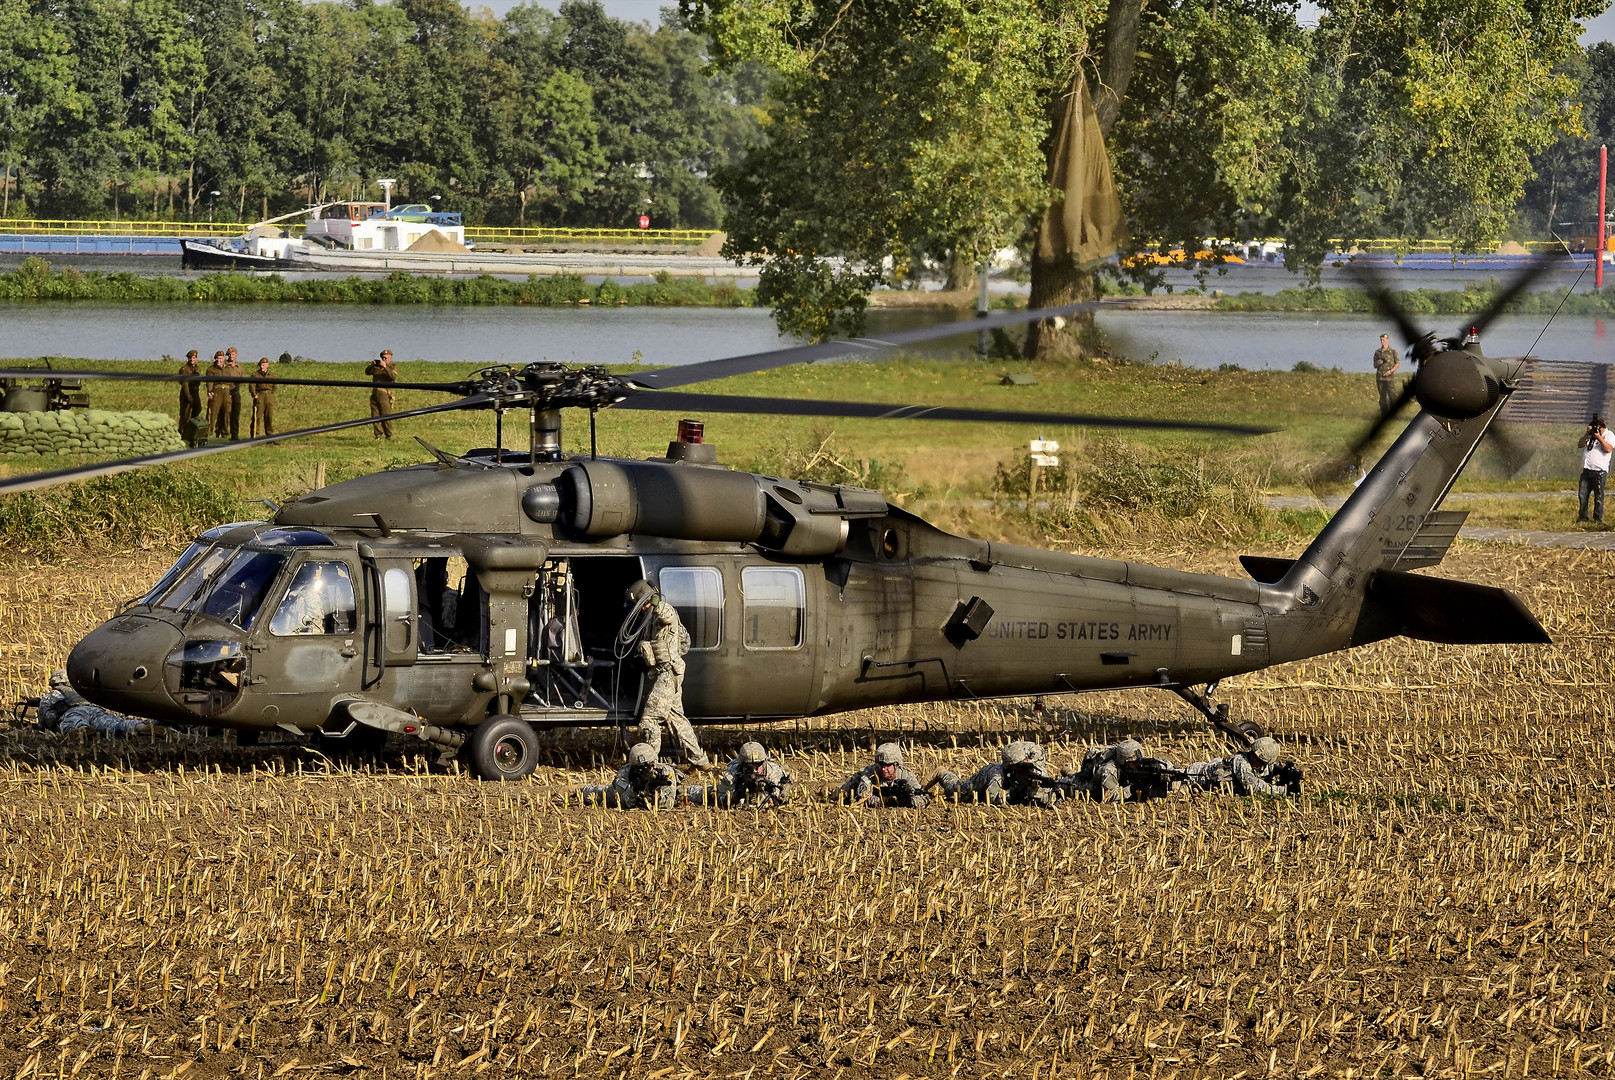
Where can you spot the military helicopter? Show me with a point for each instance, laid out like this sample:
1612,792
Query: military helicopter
477,600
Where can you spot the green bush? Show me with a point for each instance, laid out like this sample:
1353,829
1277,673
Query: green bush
133,509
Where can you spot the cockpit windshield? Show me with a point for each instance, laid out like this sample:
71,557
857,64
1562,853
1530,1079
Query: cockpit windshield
194,575
192,553
235,594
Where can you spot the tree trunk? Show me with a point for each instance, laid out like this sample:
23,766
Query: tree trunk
522,214
1057,280
5,194
961,272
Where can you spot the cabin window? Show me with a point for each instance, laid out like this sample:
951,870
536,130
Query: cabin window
450,617
696,593
235,595
398,606
318,601
775,606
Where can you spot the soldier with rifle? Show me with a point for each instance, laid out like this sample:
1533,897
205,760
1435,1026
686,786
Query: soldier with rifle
1121,773
884,783
1020,778
1257,771
642,784
752,777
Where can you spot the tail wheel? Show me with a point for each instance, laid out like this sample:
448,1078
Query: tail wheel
502,748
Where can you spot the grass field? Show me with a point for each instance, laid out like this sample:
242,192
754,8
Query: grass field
1438,904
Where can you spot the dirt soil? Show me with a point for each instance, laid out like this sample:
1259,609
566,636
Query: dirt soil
1438,903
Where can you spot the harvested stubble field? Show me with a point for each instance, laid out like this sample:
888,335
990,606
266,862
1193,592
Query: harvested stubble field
1439,904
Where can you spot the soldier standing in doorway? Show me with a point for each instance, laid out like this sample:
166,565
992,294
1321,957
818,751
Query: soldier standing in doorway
190,399
263,400
662,649
232,367
383,372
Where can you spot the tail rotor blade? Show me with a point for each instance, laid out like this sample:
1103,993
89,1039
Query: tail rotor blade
1521,281
1379,292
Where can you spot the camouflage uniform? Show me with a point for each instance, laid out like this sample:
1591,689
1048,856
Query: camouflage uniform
885,783
1018,780
1103,774
1245,773
751,777
642,784
663,653
63,711
383,373
1386,360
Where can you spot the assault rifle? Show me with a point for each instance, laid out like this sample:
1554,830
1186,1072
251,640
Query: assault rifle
1288,773
1151,778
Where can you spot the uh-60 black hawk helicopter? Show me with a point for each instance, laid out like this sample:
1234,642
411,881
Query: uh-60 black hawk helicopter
476,600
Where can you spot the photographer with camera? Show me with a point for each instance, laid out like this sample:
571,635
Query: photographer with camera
1594,468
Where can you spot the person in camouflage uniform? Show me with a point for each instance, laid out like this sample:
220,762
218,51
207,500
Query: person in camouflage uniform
1104,771
1387,362
1019,779
642,784
1249,772
662,650
884,783
63,711
752,776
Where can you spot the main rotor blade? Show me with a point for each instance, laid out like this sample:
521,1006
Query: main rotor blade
1536,268
1379,292
29,481
461,387
667,378
1354,453
685,401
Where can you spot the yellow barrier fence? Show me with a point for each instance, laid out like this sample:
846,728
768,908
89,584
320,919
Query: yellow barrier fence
478,233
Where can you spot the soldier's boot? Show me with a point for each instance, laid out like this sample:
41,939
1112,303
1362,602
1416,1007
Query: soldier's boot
947,782
650,733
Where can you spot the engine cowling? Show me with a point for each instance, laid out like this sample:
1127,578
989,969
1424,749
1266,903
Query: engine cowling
1457,384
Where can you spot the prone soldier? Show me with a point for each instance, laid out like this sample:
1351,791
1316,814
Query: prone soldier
642,784
63,711
885,782
1257,771
1019,779
1121,773
752,776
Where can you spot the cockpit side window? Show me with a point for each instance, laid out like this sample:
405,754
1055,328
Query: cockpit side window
319,600
237,592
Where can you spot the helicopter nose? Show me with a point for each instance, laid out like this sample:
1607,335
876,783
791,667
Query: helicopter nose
119,665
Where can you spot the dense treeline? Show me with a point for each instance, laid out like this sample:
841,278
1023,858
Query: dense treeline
145,107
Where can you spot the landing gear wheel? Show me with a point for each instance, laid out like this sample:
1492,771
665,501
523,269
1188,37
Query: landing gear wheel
502,748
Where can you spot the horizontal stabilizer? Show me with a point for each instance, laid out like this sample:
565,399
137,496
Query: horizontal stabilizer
1449,612
1265,569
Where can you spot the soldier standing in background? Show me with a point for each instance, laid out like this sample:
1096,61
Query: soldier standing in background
383,372
1387,362
233,368
885,783
642,784
218,399
190,399
263,400
662,651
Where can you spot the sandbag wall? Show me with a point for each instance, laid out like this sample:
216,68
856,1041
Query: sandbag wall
91,431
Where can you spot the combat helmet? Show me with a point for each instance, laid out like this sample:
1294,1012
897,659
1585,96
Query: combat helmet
1267,749
752,753
888,753
1128,750
641,755
1019,752
59,680
640,593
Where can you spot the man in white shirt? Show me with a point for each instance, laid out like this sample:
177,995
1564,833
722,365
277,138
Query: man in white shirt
1594,468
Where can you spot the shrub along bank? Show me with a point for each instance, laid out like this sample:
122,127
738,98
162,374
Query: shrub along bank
35,280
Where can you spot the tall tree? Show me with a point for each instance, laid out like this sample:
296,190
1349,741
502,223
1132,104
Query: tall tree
36,84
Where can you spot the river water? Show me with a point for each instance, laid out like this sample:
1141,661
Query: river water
514,335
